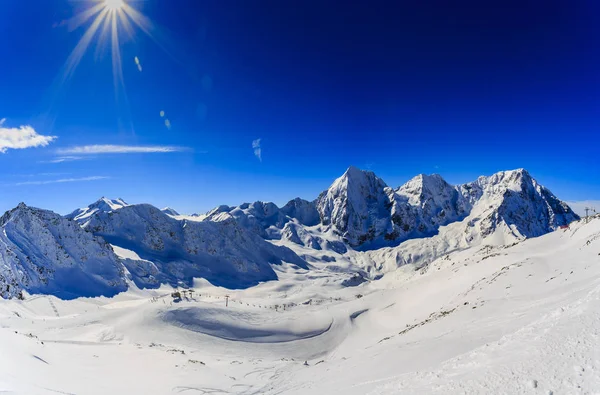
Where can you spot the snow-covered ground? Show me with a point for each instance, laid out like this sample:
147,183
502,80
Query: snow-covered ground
488,319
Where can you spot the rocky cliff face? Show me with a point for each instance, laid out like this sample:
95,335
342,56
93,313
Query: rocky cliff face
356,206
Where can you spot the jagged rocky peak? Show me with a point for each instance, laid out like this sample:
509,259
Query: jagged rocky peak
520,202
357,206
497,184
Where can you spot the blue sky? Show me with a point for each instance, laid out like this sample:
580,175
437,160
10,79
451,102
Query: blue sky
397,88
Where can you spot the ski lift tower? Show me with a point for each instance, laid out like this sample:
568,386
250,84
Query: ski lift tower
587,211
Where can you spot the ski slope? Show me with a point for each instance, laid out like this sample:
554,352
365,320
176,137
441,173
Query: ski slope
489,319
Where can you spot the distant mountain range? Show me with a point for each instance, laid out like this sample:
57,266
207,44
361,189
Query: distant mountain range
359,219
367,214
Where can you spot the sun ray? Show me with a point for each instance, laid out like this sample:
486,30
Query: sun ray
80,49
103,37
126,24
116,53
80,19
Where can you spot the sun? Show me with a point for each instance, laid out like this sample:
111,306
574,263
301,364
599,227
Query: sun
114,5
111,21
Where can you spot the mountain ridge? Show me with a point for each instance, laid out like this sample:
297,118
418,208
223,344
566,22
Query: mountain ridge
359,222
368,214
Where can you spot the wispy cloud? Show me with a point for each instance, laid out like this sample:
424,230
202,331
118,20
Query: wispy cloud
119,149
62,159
53,174
257,149
62,180
21,137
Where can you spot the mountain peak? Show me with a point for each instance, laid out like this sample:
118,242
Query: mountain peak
169,211
112,203
424,186
355,173
427,178
102,204
353,169
354,204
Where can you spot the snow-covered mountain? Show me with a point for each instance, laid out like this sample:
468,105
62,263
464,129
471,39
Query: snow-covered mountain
361,210
503,209
432,203
357,206
264,219
42,252
170,211
520,203
222,252
236,246
103,204
303,211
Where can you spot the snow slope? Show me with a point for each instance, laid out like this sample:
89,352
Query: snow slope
522,319
42,252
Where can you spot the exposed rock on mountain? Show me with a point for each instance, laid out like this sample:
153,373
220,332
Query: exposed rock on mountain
357,206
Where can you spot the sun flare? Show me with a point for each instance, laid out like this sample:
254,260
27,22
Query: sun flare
114,5
110,22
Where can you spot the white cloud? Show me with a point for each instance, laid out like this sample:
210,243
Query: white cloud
62,180
21,137
62,159
119,149
257,149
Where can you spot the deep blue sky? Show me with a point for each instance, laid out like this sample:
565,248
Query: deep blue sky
462,88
